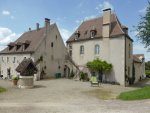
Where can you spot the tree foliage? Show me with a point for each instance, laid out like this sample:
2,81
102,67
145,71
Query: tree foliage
147,65
143,28
99,65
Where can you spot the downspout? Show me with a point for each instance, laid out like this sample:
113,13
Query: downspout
125,64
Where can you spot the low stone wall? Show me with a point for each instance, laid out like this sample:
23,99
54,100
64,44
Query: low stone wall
25,82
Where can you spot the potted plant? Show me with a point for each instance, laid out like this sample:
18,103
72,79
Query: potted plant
15,80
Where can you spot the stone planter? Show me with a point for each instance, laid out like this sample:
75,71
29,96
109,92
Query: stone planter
26,82
15,82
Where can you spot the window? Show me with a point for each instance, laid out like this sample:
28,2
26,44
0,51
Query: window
7,59
81,49
70,46
129,51
26,46
77,35
92,34
97,49
70,52
52,44
56,37
14,60
17,47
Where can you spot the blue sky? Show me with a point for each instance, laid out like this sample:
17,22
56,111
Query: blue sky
16,16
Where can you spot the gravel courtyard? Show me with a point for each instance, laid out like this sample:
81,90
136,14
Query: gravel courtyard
68,96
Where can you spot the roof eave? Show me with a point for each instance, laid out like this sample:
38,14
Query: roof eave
25,52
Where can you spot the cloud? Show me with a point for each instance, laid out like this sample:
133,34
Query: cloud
104,5
7,36
65,34
6,13
143,11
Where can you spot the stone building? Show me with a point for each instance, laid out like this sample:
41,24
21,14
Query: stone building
107,39
43,45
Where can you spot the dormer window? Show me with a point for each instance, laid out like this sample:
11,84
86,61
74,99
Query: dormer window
93,32
26,44
11,45
77,35
18,45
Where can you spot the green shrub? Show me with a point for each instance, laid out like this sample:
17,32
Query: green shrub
147,73
84,76
14,77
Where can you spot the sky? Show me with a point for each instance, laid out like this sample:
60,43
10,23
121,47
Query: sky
16,16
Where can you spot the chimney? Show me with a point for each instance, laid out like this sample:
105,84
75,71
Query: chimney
37,26
29,29
125,30
47,22
106,22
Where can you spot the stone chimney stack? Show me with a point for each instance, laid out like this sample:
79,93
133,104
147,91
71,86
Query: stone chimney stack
106,23
37,26
106,27
29,29
47,22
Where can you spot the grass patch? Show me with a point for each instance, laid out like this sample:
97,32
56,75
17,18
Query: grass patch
2,89
138,94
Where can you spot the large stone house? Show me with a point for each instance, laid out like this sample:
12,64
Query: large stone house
107,39
43,45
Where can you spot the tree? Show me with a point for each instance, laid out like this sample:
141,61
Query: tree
147,65
143,28
99,66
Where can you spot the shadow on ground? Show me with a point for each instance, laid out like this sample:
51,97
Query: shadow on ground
141,84
39,86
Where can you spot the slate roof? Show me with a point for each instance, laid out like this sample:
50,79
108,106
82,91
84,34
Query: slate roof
33,38
85,28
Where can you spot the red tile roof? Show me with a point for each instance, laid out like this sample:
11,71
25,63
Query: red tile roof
33,38
86,26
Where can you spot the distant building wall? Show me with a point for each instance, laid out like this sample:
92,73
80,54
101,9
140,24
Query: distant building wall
11,61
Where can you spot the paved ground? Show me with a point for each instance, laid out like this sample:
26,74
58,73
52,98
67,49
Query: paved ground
68,96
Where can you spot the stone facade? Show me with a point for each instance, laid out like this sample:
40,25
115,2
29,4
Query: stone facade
114,46
49,52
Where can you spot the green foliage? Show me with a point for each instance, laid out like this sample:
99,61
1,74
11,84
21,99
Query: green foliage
143,28
147,65
2,89
138,94
147,73
84,76
14,77
99,65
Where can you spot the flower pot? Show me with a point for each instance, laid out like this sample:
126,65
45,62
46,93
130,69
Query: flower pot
15,82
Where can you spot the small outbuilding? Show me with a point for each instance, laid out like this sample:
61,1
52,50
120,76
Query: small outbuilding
27,69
